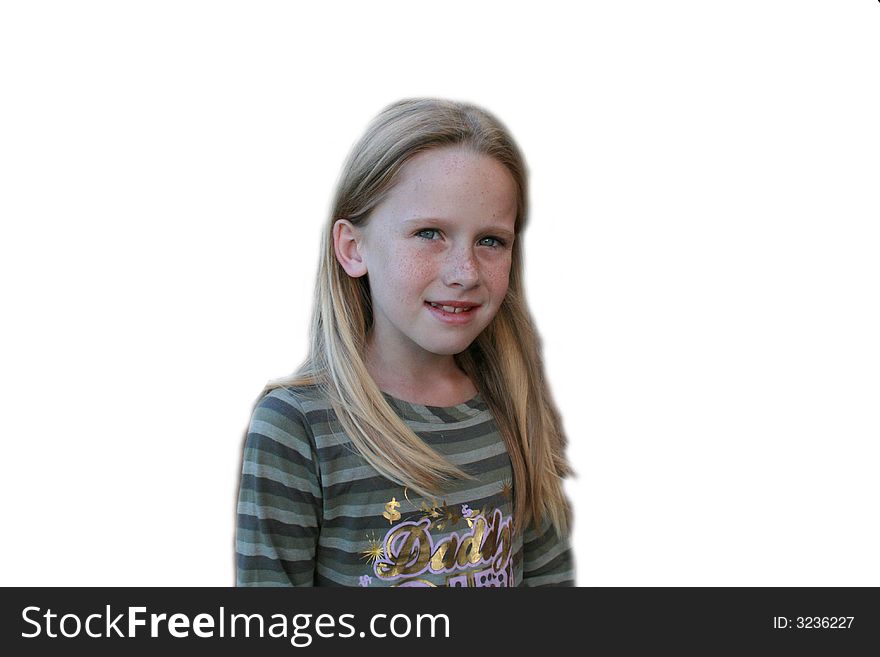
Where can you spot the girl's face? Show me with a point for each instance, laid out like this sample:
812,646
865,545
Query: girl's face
442,237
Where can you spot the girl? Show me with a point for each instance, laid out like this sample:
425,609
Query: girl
418,444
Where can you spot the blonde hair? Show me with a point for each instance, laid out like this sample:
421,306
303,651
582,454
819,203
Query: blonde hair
504,362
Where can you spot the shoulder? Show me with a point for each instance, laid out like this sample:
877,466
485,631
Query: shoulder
284,416
294,400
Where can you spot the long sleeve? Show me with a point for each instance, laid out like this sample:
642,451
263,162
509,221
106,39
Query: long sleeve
547,558
280,502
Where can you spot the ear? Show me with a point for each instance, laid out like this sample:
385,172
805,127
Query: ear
346,244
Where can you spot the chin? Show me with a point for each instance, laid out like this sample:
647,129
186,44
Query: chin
448,349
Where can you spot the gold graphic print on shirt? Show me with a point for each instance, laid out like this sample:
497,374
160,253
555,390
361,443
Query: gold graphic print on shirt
391,513
374,548
418,552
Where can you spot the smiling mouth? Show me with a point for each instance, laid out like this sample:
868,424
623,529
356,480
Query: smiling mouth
451,309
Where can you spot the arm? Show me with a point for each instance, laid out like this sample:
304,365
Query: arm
547,557
279,500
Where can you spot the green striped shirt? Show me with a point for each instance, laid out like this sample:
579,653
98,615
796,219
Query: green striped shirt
313,512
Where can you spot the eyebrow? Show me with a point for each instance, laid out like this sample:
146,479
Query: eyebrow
499,230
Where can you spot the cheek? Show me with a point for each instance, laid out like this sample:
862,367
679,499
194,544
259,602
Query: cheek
497,277
410,273
415,271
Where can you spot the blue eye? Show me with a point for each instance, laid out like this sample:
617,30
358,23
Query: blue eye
427,230
498,243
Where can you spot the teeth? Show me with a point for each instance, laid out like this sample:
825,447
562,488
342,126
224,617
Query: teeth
450,309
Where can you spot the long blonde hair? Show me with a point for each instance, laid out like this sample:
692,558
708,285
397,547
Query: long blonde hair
504,362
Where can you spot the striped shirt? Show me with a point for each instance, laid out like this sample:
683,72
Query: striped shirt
313,512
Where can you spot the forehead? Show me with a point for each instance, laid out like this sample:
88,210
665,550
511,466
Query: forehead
453,183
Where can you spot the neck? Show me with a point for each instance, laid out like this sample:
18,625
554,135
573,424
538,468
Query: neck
429,379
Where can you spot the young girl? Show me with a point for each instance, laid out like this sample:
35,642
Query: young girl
418,444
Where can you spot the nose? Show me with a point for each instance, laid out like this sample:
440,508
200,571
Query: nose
461,268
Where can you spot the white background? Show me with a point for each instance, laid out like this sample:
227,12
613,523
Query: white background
702,264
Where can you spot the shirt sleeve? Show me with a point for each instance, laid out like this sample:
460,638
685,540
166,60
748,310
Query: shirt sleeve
279,501
547,557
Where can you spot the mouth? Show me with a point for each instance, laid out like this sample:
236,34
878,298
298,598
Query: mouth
458,314
457,309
